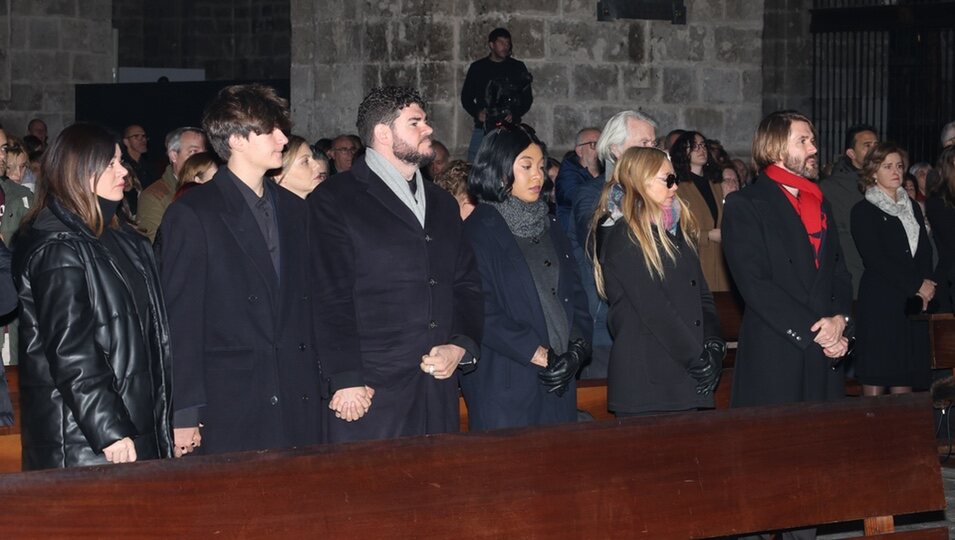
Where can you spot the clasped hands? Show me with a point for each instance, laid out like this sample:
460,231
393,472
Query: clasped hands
829,336
350,404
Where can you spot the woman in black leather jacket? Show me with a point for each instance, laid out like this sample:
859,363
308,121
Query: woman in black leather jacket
94,345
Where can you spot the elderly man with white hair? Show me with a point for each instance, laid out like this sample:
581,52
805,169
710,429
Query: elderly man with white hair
624,130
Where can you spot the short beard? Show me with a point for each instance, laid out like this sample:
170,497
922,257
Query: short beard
405,152
802,168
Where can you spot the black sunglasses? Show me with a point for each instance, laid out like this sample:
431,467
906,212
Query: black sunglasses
671,180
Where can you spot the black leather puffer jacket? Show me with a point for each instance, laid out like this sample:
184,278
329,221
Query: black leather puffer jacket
90,373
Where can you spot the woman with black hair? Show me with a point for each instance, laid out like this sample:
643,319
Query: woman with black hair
536,323
94,340
700,187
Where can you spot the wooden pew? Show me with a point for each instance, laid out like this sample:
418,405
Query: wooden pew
694,475
941,331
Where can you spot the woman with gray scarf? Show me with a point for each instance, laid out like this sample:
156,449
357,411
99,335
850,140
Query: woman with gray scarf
536,326
889,231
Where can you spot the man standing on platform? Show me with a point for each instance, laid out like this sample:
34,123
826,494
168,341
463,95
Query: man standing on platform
783,250
398,302
233,261
496,88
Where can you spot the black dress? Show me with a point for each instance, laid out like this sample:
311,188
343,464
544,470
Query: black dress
891,350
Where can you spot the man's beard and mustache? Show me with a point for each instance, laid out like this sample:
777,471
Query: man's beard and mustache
409,154
803,168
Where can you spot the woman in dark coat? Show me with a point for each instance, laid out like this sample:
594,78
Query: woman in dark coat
940,210
94,345
889,232
667,353
536,323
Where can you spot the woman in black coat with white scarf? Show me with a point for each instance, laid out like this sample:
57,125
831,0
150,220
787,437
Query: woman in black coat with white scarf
889,232
667,353
536,322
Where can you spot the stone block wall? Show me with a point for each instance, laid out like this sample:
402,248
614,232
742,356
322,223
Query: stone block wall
50,47
787,57
230,39
705,75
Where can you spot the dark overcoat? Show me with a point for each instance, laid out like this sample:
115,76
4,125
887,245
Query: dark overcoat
659,326
891,350
941,216
241,335
387,290
772,263
504,391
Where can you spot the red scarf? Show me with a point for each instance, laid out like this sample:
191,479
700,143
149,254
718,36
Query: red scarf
808,204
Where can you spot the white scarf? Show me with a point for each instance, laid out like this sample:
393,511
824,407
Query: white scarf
397,184
901,208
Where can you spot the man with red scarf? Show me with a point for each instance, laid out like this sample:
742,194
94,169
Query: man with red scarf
783,250
782,247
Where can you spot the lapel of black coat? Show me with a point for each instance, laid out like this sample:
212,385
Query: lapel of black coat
291,232
241,223
793,231
379,190
518,265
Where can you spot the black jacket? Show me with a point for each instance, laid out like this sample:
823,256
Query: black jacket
773,266
386,291
241,335
90,373
506,84
941,216
659,326
504,391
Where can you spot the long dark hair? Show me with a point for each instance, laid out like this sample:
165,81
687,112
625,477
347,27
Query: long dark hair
680,157
80,152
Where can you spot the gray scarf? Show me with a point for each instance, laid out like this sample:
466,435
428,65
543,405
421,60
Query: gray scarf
397,184
900,208
525,220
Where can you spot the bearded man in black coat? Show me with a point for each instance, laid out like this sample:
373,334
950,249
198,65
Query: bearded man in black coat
782,246
398,303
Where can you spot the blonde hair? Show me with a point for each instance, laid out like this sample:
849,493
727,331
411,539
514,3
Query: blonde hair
771,141
635,170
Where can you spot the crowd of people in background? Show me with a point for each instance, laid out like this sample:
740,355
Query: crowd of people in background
274,293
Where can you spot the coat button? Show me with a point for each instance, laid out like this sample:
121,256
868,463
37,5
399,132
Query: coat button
274,400
566,256
832,298
304,397
566,300
301,346
432,282
427,238
305,297
253,298
692,283
547,263
696,322
432,325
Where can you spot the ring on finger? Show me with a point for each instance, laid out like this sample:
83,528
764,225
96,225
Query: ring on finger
430,369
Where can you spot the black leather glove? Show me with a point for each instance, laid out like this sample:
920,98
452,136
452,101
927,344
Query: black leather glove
706,369
562,368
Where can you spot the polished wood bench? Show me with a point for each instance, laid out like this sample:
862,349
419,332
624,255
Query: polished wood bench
693,475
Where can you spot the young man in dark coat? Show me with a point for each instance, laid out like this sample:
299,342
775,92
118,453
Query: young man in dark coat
782,247
398,302
783,250
233,256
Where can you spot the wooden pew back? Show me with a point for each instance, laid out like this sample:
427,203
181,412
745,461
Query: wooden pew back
679,476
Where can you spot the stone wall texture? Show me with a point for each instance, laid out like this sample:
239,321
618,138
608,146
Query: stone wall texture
230,39
705,75
46,47
787,57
